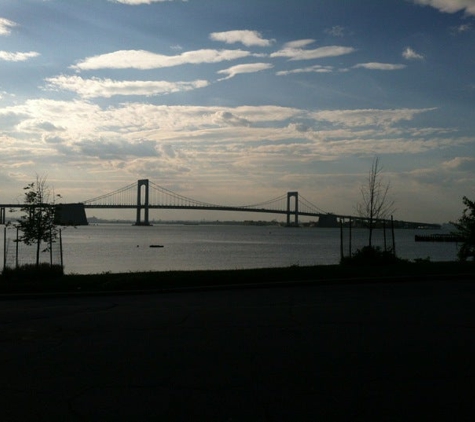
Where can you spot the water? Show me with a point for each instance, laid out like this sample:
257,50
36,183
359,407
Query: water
126,248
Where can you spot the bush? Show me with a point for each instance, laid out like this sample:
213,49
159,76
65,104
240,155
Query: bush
466,231
372,256
33,272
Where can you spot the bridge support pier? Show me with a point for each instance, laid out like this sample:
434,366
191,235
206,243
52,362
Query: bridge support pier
142,203
294,195
2,215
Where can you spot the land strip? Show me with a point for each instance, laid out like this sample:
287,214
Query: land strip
173,280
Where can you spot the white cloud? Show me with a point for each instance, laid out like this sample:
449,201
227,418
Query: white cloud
410,54
311,69
189,145
244,68
230,119
246,37
450,6
368,117
336,31
138,2
116,149
295,51
95,87
466,27
141,59
299,43
460,164
17,57
380,66
6,26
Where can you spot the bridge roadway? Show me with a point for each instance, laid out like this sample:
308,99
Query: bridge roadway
138,196
391,351
293,213
212,208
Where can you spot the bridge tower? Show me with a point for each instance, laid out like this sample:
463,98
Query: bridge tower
294,195
142,203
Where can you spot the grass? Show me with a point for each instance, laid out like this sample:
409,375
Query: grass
31,282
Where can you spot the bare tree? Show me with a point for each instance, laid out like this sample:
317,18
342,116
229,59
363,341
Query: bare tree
38,225
375,203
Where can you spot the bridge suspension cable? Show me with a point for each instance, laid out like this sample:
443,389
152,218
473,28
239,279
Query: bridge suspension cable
126,195
161,197
166,195
307,206
280,200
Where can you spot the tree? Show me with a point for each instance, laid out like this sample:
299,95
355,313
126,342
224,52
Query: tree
466,230
375,204
38,226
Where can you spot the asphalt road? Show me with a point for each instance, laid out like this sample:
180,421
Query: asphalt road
368,352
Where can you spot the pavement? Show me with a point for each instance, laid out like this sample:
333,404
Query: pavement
361,352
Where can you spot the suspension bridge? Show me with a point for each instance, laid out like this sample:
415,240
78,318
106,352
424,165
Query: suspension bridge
145,195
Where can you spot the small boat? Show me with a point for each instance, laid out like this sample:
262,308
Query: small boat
156,246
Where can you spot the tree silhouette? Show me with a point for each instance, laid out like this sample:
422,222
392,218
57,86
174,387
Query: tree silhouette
466,230
375,203
37,225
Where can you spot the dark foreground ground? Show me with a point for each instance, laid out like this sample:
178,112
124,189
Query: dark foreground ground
13,283
392,350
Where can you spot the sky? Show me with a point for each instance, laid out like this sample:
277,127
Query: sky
236,102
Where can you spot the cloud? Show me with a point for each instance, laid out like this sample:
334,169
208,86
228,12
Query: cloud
118,149
139,2
141,59
5,26
466,27
294,51
35,125
335,31
244,68
466,164
106,88
410,54
311,69
230,119
246,37
17,57
368,117
299,43
450,6
380,66
204,139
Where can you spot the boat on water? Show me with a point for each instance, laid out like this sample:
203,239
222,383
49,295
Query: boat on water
156,246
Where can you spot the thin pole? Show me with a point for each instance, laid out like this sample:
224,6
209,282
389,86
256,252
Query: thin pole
350,236
384,235
50,249
16,249
341,240
392,232
4,248
61,248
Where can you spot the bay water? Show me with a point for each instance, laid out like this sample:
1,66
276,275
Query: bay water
118,248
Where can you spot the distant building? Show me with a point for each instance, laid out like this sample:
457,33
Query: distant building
328,220
71,215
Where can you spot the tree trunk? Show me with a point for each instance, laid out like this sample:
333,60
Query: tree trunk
38,247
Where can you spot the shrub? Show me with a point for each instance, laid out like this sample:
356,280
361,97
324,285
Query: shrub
371,256
466,231
32,272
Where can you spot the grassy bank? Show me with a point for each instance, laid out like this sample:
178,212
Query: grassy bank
13,284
